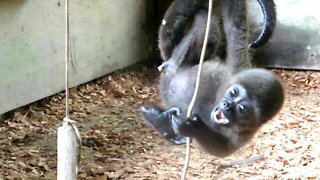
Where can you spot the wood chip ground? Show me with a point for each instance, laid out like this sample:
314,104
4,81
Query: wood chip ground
118,145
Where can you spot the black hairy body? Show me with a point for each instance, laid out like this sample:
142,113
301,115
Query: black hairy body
234,99
181,13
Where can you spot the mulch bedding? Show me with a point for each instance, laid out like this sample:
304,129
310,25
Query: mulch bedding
118,145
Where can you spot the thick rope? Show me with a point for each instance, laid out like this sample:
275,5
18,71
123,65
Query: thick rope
66,119
196,90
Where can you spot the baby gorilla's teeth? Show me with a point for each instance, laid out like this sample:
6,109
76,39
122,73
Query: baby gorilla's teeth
224,121
220,118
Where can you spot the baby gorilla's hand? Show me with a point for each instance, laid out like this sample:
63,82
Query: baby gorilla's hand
187,127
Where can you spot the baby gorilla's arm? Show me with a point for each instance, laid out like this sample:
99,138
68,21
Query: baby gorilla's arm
189,126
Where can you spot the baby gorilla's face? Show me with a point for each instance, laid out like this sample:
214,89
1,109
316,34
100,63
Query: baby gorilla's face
237,108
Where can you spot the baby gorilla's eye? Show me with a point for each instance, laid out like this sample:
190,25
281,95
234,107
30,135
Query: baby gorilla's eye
242,108
234,92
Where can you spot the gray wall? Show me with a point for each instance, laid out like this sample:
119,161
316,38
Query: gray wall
106,35
295,43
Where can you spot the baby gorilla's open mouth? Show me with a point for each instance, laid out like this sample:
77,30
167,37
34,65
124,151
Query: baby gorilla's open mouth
219,117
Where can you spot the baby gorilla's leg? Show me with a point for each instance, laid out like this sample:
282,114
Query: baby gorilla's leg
161,121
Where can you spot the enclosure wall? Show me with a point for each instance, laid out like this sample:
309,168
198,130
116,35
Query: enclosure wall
106,35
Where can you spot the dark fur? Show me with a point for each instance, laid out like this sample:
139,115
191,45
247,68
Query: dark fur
182,12
174,22
261,91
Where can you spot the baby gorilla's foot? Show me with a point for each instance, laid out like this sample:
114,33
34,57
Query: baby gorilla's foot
161,121
177,139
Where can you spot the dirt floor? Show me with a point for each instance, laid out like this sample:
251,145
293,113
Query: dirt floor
118,145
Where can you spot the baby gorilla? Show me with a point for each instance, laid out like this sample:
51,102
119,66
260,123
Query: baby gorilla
234,100
220,124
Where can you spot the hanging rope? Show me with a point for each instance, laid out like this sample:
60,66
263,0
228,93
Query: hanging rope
66,119
196,90
67,56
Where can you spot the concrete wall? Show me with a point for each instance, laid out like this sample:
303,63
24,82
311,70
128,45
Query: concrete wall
106,35
295,43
